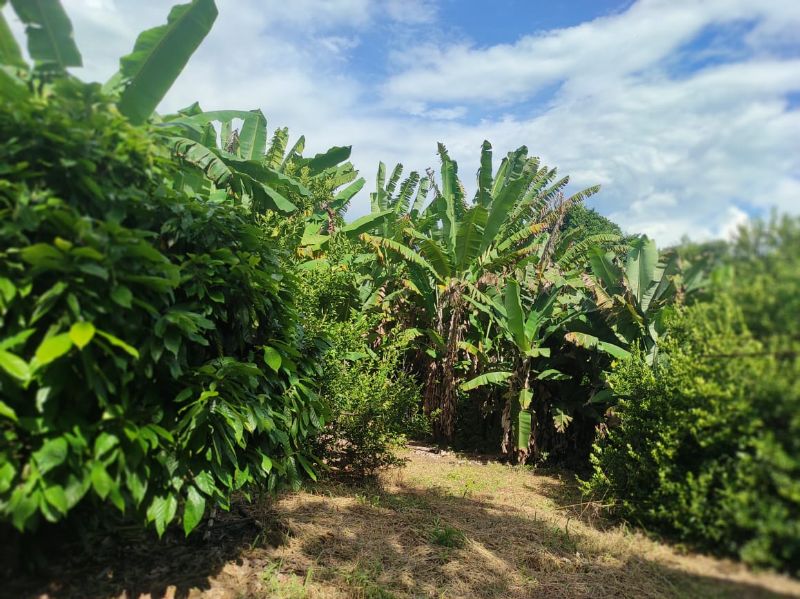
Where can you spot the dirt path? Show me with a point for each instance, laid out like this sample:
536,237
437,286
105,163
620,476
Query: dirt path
442,526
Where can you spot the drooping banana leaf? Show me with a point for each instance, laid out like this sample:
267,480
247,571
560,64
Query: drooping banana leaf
204,158
49,30
365,223
591,342
604,269
524,419
326,160
405,252
345,195
489,378
159,56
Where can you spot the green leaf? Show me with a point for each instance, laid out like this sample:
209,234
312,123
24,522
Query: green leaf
266,463
42,254
49,31
525,398
51,454
118,343
203,158
516,319
136,485
53,348
122,296
640,265
162,511
104,443
14,365
272,358
523,429
486,379
193,510
551,374
16,340
603,268
7,474
7,411
253,137
307,467
326,160
56,497
365,223
205,482
591,342
159,56
81,333
101,481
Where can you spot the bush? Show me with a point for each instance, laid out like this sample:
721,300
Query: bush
374,403
708,441
150,353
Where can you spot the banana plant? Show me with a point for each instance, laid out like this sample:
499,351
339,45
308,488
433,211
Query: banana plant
456,250
145,75
634,294
526,326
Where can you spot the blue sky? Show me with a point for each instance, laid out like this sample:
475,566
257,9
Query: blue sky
687,112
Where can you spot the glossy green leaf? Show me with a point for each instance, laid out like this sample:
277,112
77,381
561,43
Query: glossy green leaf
272,358
193,509
101,481
162,511
53,348
81,333
51,454
104,443
56,497
14,365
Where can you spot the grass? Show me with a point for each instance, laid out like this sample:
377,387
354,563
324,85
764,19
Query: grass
442,526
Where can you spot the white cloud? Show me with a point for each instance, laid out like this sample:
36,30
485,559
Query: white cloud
677,153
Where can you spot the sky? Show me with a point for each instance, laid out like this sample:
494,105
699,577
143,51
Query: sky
686,112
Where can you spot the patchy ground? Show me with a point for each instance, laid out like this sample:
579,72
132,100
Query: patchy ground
442,526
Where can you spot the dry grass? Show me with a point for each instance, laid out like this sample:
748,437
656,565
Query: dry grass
448,526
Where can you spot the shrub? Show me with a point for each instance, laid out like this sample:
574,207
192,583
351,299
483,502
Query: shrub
374,403
708,441
150,353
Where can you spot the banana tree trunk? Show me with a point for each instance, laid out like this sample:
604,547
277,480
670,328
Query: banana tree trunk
441,393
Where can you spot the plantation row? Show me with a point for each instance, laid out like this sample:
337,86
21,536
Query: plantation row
186,316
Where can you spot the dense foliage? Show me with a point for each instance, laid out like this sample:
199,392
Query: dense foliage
151,354
708,445
187,315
